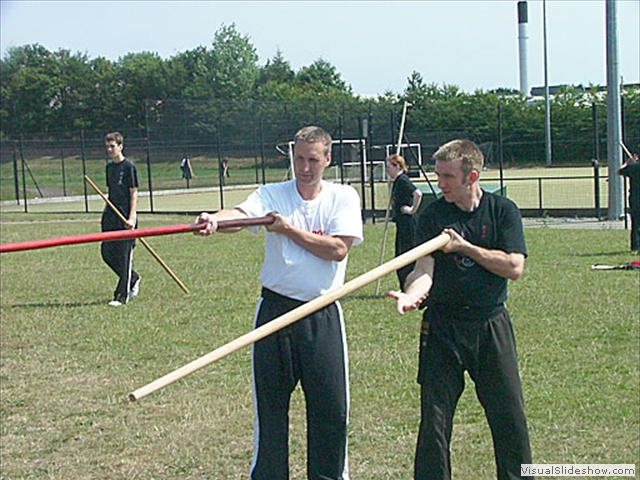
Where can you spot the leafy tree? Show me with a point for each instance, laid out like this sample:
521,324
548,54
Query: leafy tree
322,77
31,83
228,70
278,70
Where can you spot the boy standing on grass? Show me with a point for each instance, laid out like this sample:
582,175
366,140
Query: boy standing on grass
306,249
466,325
122,182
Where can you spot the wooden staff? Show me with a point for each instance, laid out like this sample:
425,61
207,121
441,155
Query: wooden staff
142,240
294,315
386,215
626,150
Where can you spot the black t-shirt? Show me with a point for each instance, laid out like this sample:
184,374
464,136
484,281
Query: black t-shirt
121,178
632,171
458,280
402,194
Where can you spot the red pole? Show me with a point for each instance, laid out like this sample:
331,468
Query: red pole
125,234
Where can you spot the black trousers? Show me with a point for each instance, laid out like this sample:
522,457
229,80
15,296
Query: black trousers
313,352
405,232
118,255
451,344
635,229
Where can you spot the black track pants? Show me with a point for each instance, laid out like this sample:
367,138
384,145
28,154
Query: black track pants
314,352
119,256
487,350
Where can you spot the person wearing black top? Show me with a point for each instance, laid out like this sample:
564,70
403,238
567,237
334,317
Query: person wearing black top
122,182
631,170
405,201
466,326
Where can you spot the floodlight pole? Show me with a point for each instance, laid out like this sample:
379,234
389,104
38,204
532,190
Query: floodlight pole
614,121
547,106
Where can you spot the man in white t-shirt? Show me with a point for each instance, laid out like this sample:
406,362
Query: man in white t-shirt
306,249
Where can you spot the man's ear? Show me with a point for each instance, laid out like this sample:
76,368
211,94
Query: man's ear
473,176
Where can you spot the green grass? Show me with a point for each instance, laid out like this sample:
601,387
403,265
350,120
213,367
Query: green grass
68,361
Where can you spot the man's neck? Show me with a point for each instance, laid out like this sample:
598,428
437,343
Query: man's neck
309,192
472,201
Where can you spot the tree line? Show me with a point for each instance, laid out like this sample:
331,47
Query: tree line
49,93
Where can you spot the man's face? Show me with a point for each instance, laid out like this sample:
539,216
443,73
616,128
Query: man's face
451,181
113,149
309,162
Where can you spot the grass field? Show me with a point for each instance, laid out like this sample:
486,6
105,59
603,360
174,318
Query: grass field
68,361
530,188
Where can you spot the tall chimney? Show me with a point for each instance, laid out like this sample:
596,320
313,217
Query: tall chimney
523,19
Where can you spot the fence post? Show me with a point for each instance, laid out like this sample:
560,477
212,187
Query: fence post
148,145
361,122
372,180
596,189
24,179
64,179
84,172
16,180
341,145
540,195
500,152
596,135
220,172
262,150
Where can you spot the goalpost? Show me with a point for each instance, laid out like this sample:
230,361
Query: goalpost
409,151
347,160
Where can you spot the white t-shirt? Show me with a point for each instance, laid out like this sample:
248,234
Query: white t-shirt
289,269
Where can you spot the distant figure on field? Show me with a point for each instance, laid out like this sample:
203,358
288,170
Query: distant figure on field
185,166
405,201
225,167
631,170
122,182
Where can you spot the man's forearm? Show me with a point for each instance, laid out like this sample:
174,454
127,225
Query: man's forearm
506,265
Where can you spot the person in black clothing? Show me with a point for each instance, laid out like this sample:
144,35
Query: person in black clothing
466,326
631,170
122,182
405,200
185,166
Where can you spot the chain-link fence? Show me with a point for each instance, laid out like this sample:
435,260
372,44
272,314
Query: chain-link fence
231,146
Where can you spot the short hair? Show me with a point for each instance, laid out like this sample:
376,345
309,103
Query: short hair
398,161
466,151
313,134
114,137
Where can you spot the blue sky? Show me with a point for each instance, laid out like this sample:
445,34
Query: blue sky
375,45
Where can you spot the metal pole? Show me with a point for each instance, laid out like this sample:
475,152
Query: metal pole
500,152
596,134
84,172
148,143
220,172
614,126
547,106
16,179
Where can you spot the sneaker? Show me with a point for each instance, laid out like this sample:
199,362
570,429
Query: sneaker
118,301
133,293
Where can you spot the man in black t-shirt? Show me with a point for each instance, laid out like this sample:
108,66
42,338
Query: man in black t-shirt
122,181
466,326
